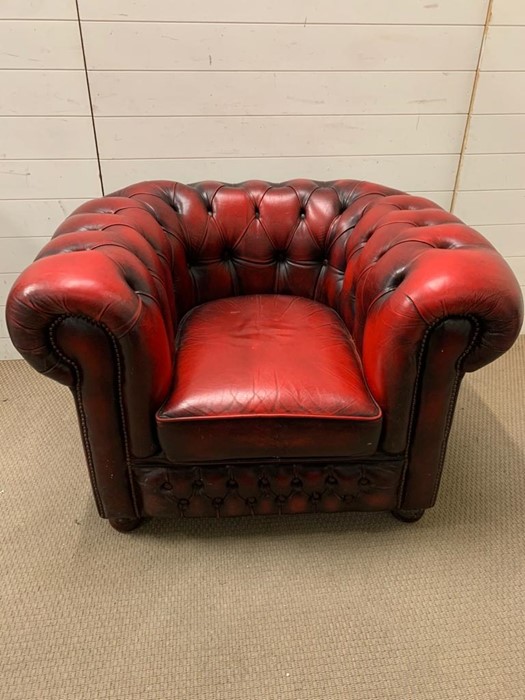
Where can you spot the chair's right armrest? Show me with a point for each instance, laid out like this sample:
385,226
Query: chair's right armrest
429,299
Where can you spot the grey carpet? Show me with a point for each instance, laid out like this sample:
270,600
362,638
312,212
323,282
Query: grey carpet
295,608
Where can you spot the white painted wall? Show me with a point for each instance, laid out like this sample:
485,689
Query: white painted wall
371,89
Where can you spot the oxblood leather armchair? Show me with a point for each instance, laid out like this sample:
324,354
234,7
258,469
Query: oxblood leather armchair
263,348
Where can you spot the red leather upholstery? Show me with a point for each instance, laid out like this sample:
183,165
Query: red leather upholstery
264,376
100,308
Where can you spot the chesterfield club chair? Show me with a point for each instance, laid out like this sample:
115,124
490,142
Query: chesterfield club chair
263,348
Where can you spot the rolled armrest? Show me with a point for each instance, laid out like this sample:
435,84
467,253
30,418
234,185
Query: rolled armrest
107,269
412,267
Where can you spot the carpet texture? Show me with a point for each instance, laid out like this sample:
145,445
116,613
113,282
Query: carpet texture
327,607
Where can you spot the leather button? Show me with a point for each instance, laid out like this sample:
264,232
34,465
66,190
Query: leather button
166,486
183,503
296,483
257,214
331,480
302,214
315,496
232,484
280,256
363,481
227,255
198,485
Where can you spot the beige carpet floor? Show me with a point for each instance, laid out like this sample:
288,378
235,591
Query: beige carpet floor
293,608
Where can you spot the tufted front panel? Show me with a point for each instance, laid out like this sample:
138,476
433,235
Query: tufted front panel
267,489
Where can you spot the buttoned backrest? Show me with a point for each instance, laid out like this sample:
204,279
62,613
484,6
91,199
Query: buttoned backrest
345,243
257,237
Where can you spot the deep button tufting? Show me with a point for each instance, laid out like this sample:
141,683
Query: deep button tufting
296,483
232,484
166,486
278,498
227,254
198,485
280,256
256,213
397,278
302,213
331,480
363,481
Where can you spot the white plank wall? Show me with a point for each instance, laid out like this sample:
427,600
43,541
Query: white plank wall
255,93
282,89
275,89
404,12
274,47
491,188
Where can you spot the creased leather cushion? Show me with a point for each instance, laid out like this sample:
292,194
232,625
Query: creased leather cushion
267,376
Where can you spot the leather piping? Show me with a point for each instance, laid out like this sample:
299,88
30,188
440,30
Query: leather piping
81,410
452,403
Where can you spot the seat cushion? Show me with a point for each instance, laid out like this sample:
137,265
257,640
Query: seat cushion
267,376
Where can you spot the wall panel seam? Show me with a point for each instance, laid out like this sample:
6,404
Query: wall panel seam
259,70
276,24
471,104
88,86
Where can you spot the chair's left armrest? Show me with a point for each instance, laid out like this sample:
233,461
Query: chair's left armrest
101,276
